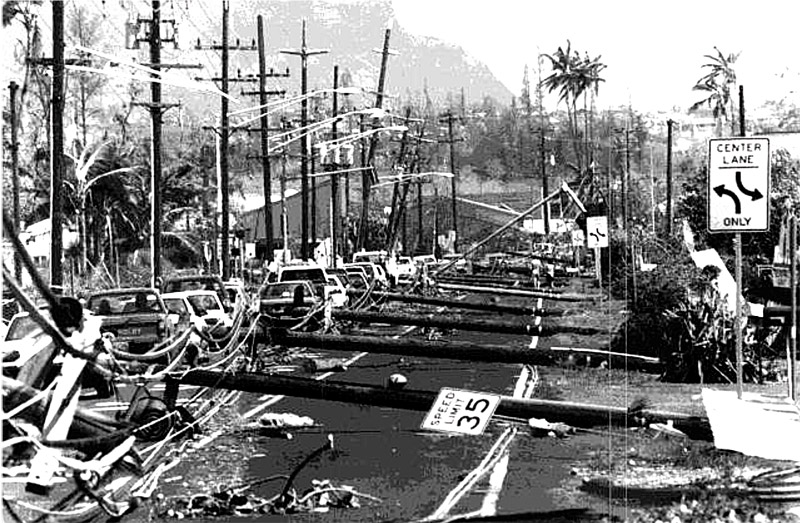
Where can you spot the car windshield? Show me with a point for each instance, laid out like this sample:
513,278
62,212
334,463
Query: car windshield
124,303
310,274
279,290
202,303
21,327
175,305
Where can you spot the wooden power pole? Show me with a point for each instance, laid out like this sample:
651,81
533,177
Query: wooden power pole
369,177
57,148
13,87
304,52
265,160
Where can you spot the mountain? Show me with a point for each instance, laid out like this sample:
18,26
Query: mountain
353,31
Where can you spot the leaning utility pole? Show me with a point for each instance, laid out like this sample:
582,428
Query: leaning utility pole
57,148
369,177
15,173
304,52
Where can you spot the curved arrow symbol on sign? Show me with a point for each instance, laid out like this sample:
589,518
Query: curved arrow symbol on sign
720,190
597,235
754,194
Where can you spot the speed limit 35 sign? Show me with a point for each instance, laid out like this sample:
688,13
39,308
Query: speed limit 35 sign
461,411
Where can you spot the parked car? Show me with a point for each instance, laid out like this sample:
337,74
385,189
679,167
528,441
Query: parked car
137,317
306,271
190,282
406,269
236,293
337,292
285,303
207,306
374,272
425,259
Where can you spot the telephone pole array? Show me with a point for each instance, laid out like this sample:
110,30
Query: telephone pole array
156,107
304,52
224,133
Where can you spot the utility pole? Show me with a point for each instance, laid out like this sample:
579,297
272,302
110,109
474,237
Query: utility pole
420,237
223,164
453,180
57,149
304,52
545,184
335,211
13,87
369,177
155,153
265,161
224,181
669,177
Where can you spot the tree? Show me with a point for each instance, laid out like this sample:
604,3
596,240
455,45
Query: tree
86,29
575,77
86,164
717,86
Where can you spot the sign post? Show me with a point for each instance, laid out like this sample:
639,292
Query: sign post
738,201
597,238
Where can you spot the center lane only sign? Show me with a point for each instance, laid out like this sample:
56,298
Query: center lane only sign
738,184
461,411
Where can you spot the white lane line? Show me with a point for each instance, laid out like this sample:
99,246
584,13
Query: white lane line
270,400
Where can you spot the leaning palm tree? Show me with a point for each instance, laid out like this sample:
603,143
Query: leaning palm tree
86,163
717,85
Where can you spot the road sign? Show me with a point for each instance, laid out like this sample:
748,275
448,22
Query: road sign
461,411
596,231
738,184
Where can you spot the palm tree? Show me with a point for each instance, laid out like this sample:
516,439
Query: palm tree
85,163
717,86
574,77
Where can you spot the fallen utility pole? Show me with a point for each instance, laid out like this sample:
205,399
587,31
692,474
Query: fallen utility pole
468,324
574,414
427,300
495,284
519,292
464,351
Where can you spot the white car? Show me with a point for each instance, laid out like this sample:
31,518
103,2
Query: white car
207,307
337,292
406,269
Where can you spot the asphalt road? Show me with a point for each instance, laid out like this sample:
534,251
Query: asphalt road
382,452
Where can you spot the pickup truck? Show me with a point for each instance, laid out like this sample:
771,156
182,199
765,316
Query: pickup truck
137,317
284,304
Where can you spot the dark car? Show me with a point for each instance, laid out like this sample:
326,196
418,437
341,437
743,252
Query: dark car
137,317
284,304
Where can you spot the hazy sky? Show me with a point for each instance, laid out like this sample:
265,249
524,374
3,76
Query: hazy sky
654,50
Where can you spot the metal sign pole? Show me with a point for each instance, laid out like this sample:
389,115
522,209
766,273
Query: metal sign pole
738,325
